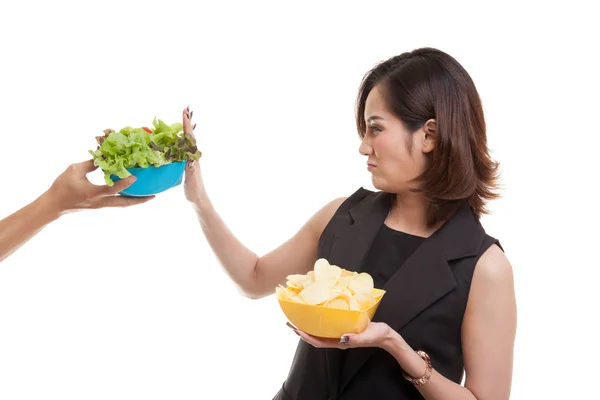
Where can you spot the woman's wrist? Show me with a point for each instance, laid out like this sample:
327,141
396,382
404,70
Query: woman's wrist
410,362
198,199
194,190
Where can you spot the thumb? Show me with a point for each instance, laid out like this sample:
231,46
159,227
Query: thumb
191,168
122,185
351,339
105,190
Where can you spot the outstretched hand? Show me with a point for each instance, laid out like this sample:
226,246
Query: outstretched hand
193,179
73,191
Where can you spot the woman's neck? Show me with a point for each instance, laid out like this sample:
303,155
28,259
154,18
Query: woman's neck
408,214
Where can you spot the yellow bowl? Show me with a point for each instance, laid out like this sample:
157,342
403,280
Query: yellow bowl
329,322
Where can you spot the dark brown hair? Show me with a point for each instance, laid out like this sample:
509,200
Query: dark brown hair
429,84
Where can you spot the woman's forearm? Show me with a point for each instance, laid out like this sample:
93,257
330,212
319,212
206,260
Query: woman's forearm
438,387
18,228
238,261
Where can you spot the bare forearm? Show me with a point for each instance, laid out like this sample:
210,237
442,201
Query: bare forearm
438,387
238,261
18,228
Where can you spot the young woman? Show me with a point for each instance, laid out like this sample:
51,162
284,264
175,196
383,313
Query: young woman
450,305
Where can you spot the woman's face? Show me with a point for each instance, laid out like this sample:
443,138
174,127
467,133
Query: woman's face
394,155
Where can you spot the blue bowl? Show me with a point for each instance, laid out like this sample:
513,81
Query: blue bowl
153,180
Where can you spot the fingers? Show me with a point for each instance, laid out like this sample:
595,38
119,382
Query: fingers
107,196
306,337
188,128
187,114
105,190
317,342
346,341
121,185
291,326
120,201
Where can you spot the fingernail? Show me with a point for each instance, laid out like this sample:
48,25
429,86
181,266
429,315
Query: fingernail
345,339
190,164
290,325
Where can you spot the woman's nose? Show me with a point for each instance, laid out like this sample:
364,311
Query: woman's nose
365,149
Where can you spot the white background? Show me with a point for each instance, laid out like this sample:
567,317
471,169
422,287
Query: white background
132,304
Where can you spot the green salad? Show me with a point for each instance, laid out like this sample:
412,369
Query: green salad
143,147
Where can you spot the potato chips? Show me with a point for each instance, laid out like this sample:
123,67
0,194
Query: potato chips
330,286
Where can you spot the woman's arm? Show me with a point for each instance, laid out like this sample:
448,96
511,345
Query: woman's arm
70,191
255,276
488,336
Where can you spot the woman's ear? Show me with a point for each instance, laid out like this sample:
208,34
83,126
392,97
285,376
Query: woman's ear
429,136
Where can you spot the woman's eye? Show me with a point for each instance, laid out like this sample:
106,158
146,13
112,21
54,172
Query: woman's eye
375,128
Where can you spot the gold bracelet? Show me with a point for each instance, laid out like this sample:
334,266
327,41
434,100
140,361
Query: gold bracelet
425,378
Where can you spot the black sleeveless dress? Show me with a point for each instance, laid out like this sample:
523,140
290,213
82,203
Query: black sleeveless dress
427,282
389,251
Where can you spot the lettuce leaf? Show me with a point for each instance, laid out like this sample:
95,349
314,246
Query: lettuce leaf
137,148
